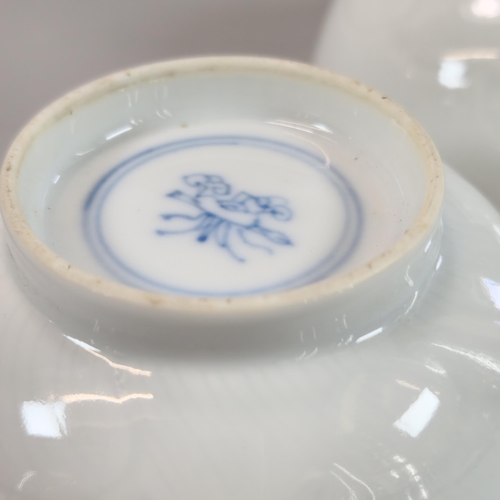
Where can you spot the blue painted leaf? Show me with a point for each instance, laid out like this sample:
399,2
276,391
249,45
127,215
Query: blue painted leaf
275,236
179,195
253,239
207,226
222,233
179,223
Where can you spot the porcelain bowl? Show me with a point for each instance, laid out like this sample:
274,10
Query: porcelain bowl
440,60
190,114
378,380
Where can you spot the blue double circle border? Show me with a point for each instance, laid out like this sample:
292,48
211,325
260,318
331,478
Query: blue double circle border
342,251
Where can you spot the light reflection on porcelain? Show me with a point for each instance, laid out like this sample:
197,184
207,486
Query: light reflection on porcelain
380,395
419,414
487,9
439,59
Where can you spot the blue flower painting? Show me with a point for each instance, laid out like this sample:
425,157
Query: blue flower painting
229,220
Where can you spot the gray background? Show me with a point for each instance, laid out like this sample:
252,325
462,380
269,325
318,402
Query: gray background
49,47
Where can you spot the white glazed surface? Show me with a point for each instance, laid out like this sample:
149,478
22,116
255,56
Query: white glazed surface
412,413
358,212
439,59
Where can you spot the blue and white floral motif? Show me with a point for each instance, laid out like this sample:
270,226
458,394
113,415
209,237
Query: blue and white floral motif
229,219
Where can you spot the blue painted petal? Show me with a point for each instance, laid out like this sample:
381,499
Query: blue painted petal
264,202
196,180
215,179
231,205
251,204
241,197
217,186
280,212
